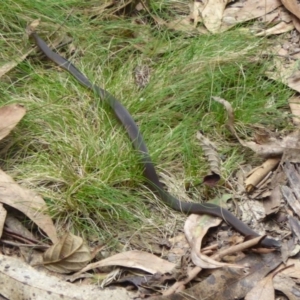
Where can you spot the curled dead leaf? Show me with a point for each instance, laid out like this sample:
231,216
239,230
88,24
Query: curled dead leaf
29,203
70,254
210,151
259,173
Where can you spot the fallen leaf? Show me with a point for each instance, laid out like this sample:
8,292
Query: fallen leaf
131,259
212,14
282,27
26,201
262,290
70,254
13,224
10,116
21,281
196,8
287,286
292,81
296,23
272,203
293,271
210,151
293,6
247,10
195,228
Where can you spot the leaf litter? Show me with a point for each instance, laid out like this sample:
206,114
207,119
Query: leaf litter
69,254
213,16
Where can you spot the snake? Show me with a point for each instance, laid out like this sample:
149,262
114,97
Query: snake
149,172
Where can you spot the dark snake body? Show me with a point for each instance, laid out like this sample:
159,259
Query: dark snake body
138,142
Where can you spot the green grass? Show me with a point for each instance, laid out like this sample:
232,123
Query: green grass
69,147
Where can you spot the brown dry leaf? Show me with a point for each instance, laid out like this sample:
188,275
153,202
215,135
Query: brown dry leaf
247,10
287,286
13,224
274,147
282,27
263,289
131,259
272,203
10,116
296,23
196,8
284,70
70,254
21,281
212,14
195,228
29,203
294,103
258,174
3,214
210,151
294,270
292,81
283,278
293,6
273,16
282,19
